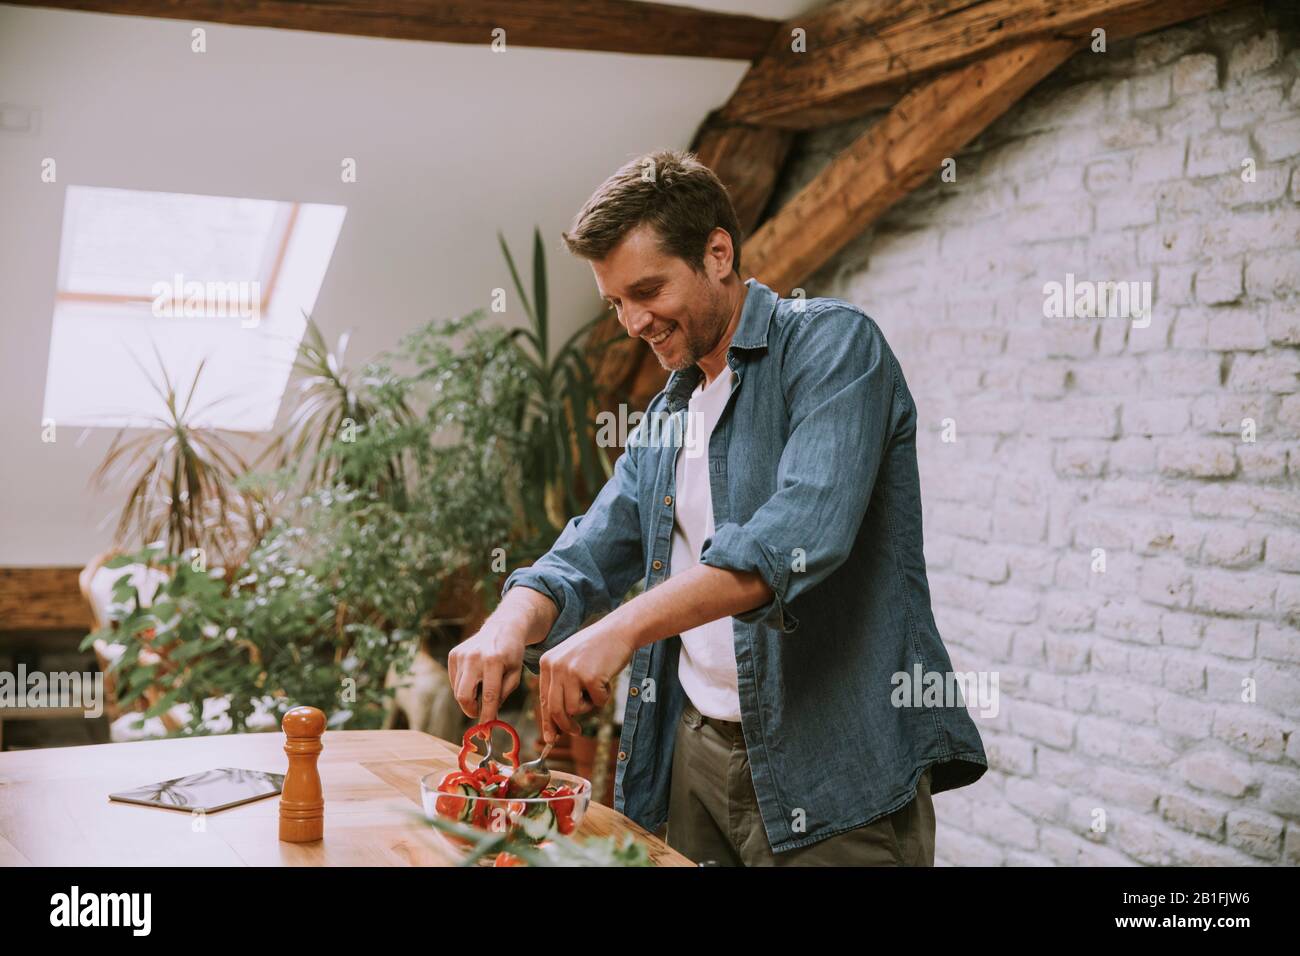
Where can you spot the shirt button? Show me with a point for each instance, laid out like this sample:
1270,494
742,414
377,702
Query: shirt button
668,499
634,691
657,564
622,755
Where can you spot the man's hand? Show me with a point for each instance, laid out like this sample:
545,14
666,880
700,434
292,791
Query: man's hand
493,659
576,675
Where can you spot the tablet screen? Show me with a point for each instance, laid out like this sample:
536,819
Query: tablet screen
208,791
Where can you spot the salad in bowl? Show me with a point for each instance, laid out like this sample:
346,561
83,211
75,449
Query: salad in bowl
486,798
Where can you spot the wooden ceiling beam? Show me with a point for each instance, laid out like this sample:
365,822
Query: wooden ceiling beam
611,26
748,159
891,158
860,55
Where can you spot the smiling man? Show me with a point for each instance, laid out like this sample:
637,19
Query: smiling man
785,585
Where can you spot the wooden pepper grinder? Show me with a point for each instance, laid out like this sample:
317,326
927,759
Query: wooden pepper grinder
302,806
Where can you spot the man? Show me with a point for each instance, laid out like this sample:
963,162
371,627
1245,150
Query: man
785,587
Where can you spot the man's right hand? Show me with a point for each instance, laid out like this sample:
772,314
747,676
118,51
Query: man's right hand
493,659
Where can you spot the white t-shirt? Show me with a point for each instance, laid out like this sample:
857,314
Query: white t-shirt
707,667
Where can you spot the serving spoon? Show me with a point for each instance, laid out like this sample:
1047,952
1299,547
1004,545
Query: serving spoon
531,778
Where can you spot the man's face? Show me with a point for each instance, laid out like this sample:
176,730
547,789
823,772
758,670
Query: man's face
681,313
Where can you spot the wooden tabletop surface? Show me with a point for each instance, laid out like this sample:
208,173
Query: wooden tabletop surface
55,811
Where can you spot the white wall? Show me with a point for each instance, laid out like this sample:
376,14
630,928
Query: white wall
452,142
1121,690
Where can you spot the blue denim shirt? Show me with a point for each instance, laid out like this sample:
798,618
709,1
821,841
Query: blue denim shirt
814,484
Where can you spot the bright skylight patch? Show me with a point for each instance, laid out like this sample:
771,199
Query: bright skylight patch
144,275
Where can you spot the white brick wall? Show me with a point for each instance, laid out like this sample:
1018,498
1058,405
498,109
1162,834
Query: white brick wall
1122,690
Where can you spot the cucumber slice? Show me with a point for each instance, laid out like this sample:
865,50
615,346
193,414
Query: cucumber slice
538,826
469,793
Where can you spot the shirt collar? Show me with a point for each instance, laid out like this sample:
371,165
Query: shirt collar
755,317
751,333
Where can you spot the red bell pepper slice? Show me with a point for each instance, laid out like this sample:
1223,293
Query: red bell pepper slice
455,778
484,730
491,782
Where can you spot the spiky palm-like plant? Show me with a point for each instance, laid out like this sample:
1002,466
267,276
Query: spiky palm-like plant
181,479
331,403
559,416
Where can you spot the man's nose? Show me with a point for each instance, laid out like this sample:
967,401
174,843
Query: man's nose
637,322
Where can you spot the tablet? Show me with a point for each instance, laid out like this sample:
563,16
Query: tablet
208,791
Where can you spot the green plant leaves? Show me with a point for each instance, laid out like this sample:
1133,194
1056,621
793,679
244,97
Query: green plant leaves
389,481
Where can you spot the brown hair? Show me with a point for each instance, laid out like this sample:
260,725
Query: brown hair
669,189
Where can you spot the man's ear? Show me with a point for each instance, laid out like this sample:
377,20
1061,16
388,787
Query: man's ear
720,239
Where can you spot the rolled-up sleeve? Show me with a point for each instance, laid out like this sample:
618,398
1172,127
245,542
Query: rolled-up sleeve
595,560
840,386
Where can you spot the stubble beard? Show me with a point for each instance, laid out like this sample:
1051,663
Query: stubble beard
701,337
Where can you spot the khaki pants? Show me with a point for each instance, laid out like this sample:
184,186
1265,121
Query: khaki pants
713,814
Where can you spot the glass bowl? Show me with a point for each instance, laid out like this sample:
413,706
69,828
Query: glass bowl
534,819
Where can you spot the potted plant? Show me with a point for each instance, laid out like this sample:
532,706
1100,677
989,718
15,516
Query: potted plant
392,493
181,480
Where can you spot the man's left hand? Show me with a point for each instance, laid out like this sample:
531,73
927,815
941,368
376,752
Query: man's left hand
589,661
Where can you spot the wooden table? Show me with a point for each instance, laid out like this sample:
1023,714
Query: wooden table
55,811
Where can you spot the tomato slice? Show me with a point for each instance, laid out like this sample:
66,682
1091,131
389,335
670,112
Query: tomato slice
563,807
453,802
450,806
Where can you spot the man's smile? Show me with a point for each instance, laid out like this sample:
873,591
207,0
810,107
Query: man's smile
661,337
